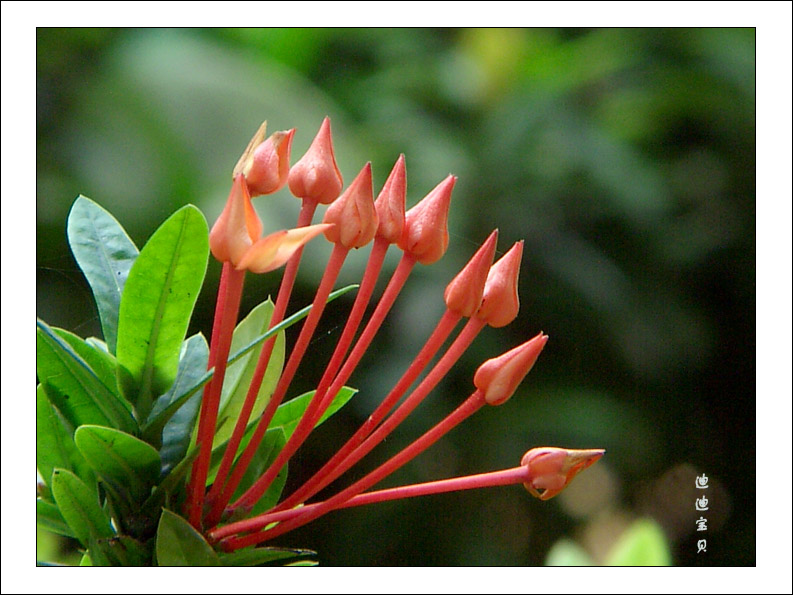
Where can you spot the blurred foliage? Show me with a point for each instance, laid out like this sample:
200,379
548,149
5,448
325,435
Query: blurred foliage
624,157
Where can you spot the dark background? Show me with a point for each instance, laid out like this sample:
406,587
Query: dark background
625,158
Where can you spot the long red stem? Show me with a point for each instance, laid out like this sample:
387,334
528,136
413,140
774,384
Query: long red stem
468,482
453,353
384,305
226,310
258,489
282,301
317,482
467,408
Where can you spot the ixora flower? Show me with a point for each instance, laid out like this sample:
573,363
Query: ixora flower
157,448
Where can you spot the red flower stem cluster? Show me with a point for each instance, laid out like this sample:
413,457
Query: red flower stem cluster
483,292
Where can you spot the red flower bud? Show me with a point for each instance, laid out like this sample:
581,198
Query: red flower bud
238,226
267,169
390,204
354,213
426,234
552,469
500,302
316,177
464,294
499,377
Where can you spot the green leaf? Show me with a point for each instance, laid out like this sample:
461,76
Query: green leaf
127,551
642,544
566,552
261,555
74,387
100,361
105,254
240,373
50,518
80,508
288,414
156,306
54,443
272,444
128,464
179,544
174,414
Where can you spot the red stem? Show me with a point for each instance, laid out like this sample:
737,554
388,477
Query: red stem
386,301
324,476
469,482
258,489
282,301
226,310
467,408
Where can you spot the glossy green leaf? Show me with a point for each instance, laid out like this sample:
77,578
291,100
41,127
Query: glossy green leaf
105,254
642,544
179,544
156,305
272,444
80,508
74,387
101,362
262,555
174,414
125,462
240,373
50,518
54,443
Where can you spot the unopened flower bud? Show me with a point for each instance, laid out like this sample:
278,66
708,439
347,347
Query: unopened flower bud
426,234
499,377
354,215
238,226
552,469
273,251
316,177
464,294
267,168
500,303
390,204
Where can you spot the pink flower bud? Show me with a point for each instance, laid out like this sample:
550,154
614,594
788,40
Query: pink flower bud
464,294
426,234
267,169
316,176
552,469
273,251
500,302
390,204
238,226
354,213
499,377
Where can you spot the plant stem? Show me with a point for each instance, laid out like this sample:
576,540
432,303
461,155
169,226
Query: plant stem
468,482
282,301
226,310
258,489
386,301
467,408
326,474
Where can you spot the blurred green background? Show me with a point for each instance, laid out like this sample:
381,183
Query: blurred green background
625,158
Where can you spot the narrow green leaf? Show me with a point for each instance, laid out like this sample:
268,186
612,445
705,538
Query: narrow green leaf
105,254
169,484
49,517
179,544
272,444
54,443
100,361
156,305
86,560
174,414
125,462
74,387
128,551
642,544
240,373
288,414
79,507
262,555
